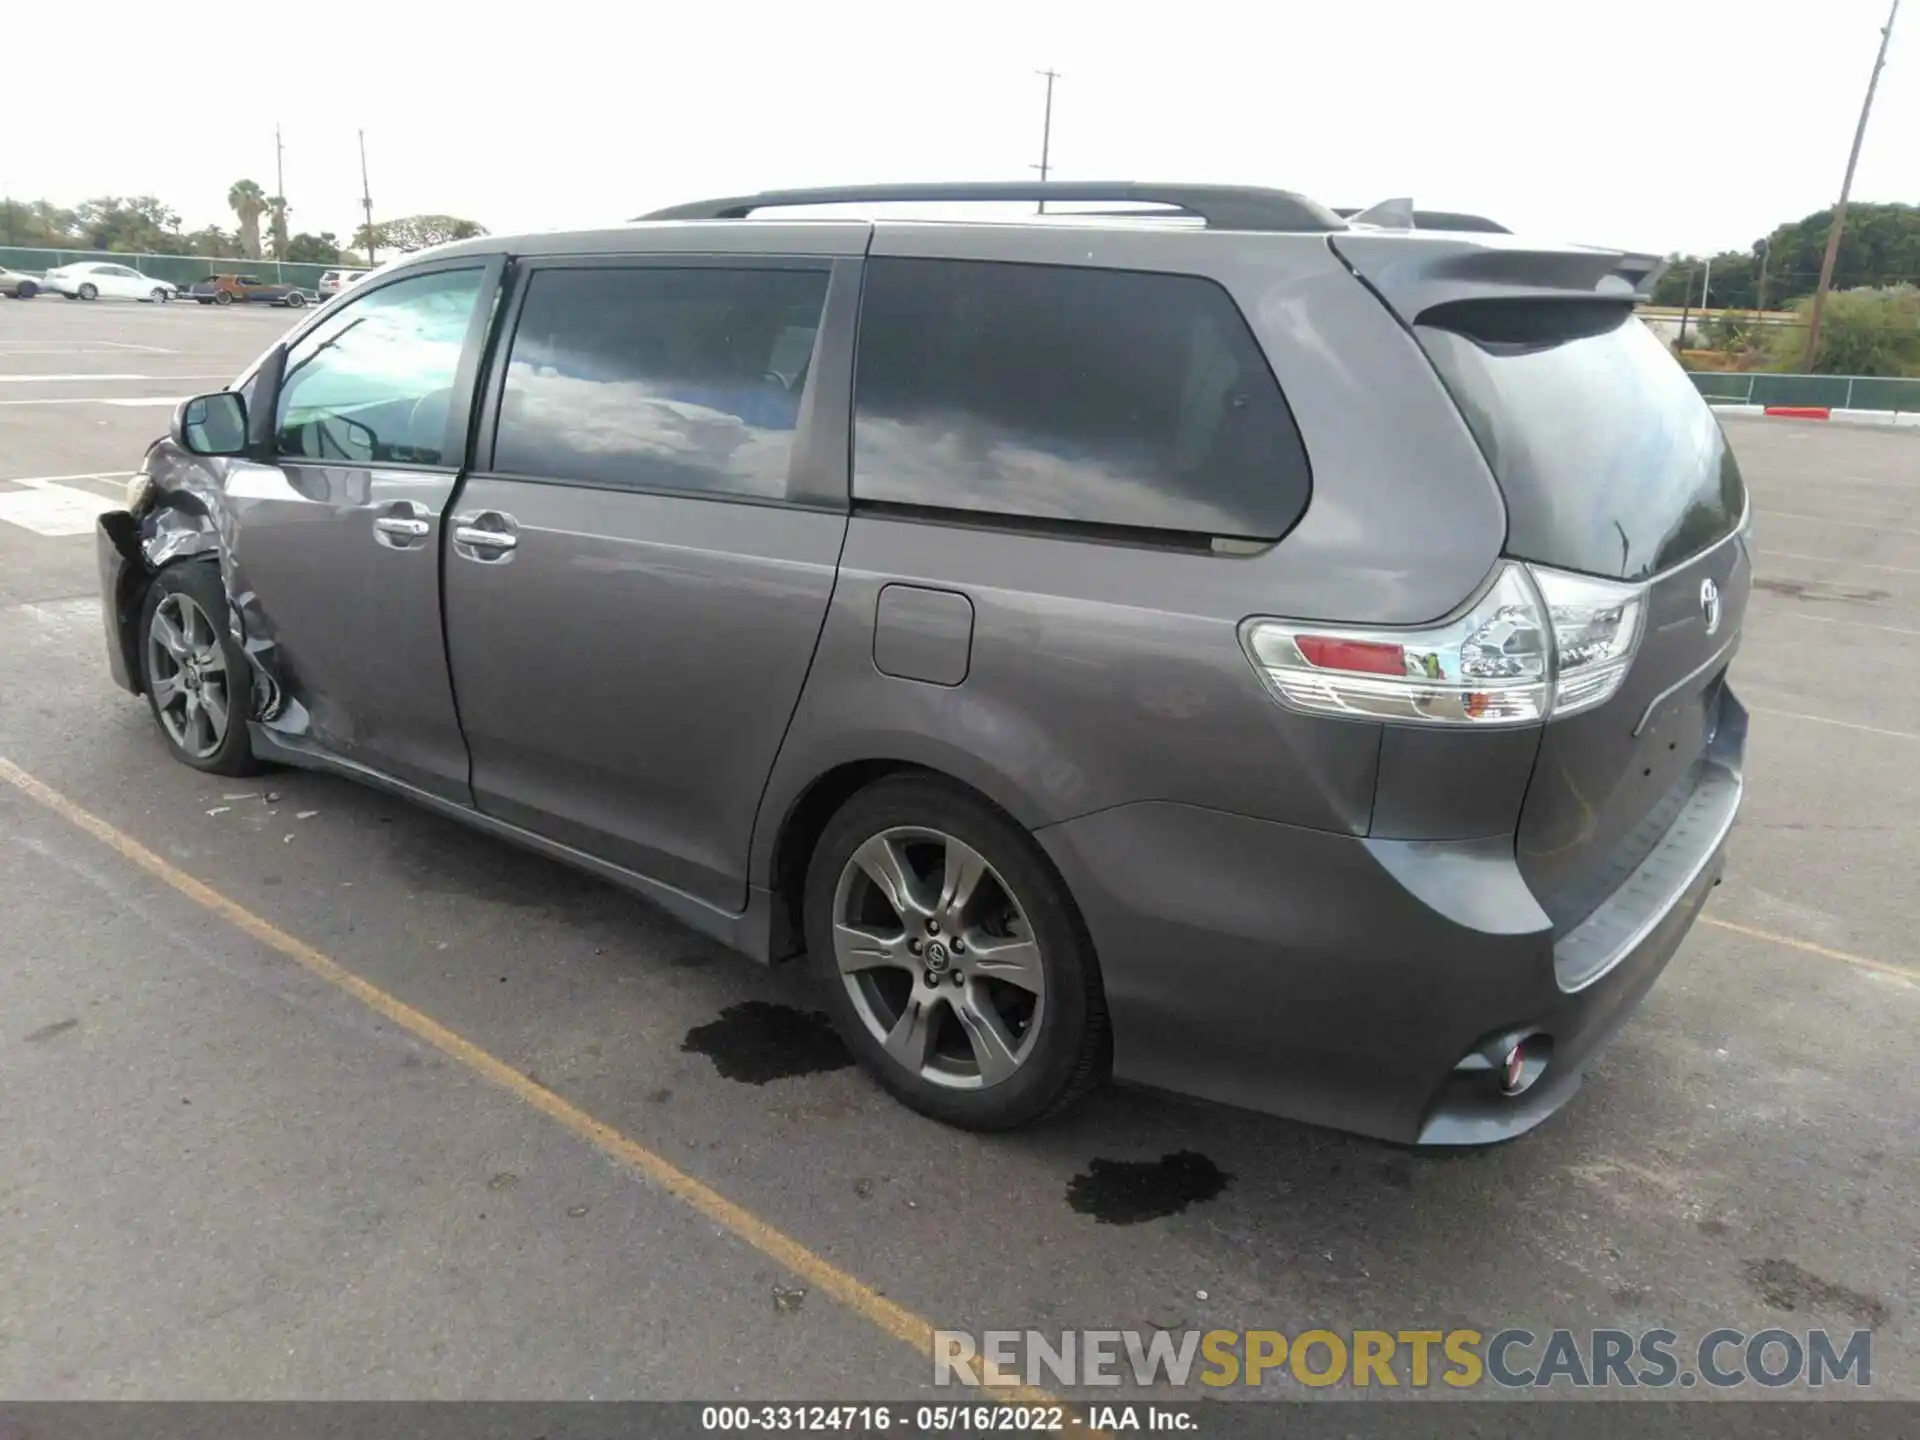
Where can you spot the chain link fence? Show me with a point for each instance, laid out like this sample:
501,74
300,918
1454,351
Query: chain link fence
1836,392
182,270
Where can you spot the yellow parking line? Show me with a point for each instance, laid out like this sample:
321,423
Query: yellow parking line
887,1315
1846,957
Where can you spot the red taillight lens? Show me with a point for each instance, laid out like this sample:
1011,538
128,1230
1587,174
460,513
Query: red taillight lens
1358,657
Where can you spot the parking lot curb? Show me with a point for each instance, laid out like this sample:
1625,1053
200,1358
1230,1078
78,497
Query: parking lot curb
1820,412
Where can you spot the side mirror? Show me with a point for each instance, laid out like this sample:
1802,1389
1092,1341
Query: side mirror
212,424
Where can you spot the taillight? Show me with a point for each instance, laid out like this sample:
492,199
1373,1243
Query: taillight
1534,643
1596,628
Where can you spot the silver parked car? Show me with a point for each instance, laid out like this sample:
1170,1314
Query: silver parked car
1281,658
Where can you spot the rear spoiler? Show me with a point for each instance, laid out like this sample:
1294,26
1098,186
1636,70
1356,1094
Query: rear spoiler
1414,273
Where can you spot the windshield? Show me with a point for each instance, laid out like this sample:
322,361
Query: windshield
1610,461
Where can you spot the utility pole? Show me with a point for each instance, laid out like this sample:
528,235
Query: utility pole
1766,259
1835,230
366,197
279,198
1046,132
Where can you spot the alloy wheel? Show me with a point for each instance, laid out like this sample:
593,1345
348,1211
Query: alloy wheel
188,672
938,958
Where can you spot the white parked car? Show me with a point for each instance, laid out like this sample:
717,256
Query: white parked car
334,281
93,279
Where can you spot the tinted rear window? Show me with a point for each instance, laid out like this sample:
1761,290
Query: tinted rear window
1610,461
1103,397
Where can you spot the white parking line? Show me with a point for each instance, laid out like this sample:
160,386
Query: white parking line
1829,520
1786,614
1829,720
1838,560
36,482
1800,482
54,510
103,400
104,379
48,379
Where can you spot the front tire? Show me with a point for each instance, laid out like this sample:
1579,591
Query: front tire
198,684
89,292
26,291
297,301
952,959
160,296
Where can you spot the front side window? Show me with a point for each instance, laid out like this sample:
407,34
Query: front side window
657,378
1102,397
374,384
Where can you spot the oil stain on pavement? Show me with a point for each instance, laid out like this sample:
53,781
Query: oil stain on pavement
1127,1192
756,1041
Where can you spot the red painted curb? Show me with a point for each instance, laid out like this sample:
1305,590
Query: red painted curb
1800,412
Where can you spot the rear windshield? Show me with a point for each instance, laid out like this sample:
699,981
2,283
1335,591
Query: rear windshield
1610,461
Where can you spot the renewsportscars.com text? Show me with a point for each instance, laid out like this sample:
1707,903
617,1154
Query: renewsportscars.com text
1513,1359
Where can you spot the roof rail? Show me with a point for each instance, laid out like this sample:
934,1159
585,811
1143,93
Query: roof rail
1441,220
1222,207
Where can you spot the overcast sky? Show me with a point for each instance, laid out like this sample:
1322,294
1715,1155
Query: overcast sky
1654,124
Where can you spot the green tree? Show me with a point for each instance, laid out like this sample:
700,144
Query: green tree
214,243
249,202
39,223
277,225
1881,247
321,249
134,225
1862,332
417,232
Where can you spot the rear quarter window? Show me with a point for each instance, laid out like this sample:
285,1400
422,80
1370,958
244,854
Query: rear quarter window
1106,398
1610,461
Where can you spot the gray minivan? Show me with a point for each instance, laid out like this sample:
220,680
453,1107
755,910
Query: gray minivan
1268,655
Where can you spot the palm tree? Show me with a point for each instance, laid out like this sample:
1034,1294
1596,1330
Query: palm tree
249,202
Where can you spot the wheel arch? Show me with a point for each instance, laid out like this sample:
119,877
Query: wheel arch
805,813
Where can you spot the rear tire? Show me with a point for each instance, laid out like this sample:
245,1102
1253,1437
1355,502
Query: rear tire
89,292
223,298
1022,1032
198,682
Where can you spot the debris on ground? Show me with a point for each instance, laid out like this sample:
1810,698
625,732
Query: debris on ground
787,1299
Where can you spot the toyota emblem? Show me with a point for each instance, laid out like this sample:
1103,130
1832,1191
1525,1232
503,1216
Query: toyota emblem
1710,604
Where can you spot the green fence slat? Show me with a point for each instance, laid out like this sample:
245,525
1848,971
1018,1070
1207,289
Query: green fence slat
1835,392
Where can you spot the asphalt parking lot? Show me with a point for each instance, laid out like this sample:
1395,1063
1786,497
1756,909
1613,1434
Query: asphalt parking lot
555,1145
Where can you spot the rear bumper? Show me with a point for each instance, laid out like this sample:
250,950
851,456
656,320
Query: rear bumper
1356,983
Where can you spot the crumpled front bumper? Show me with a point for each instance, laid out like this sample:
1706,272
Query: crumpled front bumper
116,550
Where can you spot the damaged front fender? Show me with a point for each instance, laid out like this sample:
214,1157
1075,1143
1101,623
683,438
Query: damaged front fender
182,518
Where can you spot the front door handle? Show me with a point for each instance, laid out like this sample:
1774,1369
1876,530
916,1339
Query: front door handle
488,537
480,538
402,525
